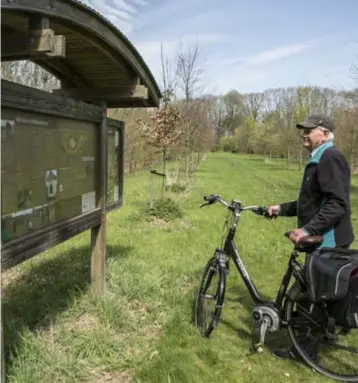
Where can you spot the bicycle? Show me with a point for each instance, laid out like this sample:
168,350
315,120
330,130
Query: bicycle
287,310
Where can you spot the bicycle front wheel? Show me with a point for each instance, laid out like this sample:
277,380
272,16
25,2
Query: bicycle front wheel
210,297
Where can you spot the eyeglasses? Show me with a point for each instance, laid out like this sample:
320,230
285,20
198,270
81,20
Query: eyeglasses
306,132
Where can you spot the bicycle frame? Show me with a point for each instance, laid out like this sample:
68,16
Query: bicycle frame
230,250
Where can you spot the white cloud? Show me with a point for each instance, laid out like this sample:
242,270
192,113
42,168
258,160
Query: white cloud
122,13
150,49
140,2
105,8
268,56
276,54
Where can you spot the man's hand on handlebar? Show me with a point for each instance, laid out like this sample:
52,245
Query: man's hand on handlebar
274,211
261,210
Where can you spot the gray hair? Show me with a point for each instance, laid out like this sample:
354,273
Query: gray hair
330,134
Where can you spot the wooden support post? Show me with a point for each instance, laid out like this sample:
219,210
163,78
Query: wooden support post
2,354
38,22
98,233
18,44
151,197
39,41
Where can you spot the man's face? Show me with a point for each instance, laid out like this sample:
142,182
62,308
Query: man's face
312,138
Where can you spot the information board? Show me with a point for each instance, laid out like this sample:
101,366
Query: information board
47,170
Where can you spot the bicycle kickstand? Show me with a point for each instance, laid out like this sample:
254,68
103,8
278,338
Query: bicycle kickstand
258,347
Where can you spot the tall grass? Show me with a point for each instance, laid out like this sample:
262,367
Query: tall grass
142,329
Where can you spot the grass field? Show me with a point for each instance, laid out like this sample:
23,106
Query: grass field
142,330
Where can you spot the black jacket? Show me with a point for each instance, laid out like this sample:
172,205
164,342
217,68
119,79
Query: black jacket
323,205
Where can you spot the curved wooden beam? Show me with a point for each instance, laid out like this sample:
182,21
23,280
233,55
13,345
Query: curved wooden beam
64,72
93,27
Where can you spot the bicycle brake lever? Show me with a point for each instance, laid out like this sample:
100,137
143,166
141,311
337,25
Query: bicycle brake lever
204,204
270,216
261,210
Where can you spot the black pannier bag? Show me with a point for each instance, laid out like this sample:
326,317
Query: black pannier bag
345,310
332,276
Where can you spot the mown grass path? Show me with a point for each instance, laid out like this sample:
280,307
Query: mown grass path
142,330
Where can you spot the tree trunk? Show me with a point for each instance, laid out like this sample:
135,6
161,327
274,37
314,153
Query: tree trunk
151,191
164,172
288,157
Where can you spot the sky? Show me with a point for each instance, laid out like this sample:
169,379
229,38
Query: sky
249,45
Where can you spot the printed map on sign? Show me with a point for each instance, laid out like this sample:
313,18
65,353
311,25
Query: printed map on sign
47,170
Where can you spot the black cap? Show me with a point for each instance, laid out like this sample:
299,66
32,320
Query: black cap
316,120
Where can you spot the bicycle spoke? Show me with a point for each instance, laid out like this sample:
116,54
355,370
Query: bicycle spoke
299,322
209,303
342,347
331,350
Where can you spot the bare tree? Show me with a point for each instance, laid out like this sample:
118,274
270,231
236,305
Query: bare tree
188,74
188,71
27,73
168,76
354,71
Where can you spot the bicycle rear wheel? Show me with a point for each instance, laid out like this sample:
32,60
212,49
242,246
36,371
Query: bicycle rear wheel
211,291
332,352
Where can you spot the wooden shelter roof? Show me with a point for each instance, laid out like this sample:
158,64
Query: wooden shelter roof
92,58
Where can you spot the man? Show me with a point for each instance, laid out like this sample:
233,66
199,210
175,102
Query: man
323,203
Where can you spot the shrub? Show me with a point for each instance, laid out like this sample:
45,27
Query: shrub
166,209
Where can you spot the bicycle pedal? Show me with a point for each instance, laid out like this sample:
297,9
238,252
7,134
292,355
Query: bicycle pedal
256,348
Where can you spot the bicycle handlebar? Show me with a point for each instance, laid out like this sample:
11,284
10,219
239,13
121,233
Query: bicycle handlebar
210,199
309,240
259,210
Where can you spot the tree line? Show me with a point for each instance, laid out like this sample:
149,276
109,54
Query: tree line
190,122
262,123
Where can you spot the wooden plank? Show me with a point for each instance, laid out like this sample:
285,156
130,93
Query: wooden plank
126,103
2,352
121,129
121,160
25,248
112,122
59,47
98,233
18,96
27,45
115,163
107,93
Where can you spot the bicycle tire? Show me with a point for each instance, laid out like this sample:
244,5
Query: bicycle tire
288,310
211,267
